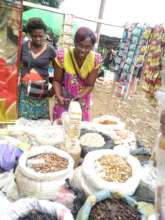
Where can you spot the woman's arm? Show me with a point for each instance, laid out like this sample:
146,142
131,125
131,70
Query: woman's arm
58,78
90,81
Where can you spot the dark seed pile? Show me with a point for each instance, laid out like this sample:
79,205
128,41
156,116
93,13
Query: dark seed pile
113,209
35,215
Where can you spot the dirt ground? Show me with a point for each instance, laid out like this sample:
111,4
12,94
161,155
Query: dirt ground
138,114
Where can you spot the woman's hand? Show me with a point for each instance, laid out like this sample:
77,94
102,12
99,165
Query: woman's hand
61,100
77,98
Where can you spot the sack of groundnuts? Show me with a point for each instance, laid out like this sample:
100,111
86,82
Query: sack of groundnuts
108,170
106,205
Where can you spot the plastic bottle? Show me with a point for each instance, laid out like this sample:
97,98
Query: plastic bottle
71,121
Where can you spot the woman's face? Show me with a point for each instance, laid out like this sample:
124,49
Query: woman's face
82,48
38,37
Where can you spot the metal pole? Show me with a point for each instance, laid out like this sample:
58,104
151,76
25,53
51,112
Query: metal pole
101,12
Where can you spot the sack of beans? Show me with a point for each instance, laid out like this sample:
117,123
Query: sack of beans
105,205
42,171
109,170
31,208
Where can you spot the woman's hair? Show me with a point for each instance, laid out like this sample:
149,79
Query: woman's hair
83,33
34,24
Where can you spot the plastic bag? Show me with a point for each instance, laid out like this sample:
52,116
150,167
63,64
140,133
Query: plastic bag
6,178
64,196
8,156
142,153
79,198
146,189
5,204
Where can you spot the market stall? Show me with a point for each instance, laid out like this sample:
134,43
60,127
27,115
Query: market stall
71,169
99,157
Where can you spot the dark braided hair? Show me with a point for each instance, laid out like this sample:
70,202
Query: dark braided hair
83,33
34,24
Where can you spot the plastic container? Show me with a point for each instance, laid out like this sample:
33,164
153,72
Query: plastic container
73,148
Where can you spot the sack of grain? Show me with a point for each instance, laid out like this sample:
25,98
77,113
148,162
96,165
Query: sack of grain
109,170
42,170
93,140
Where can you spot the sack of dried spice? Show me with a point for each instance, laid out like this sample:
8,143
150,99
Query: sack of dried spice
108,205
27,207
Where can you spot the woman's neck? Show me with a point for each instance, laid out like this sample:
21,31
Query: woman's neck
36,47
79,60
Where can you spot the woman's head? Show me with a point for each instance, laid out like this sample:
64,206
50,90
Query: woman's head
84,41
37,30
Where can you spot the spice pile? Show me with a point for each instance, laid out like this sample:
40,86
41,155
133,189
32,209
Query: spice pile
47,162
113,168
113,209
107,122
35,215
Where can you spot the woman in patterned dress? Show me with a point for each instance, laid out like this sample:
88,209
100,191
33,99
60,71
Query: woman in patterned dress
76,70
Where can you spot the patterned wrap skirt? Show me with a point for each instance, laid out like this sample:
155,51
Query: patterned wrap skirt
32,108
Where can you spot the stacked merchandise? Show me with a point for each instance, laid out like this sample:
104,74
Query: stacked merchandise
123,50
152,65
141,51
133,48
138,61
121,56
126,55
